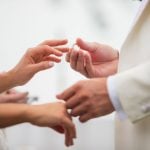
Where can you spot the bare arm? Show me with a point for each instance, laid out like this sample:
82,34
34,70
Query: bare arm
12,114
36,59
52,115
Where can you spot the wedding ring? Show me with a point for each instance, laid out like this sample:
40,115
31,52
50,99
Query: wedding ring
75,47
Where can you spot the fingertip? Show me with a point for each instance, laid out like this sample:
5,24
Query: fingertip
82,120
71,142
51,64
63,41
78,40
58,61
58,96
59,53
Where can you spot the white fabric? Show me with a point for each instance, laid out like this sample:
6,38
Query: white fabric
114,98
111,80
133,85
3,144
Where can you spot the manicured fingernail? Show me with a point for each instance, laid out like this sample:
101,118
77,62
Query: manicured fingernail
51,64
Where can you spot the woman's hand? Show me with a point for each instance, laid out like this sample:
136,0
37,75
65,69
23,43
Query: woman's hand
13,96
55,116
37,59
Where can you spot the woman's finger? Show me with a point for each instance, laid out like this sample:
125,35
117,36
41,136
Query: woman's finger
54,42
52,58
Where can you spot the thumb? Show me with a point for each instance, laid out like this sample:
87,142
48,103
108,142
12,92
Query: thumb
87,46
42,66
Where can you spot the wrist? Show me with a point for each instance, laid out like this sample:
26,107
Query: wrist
30,112
7,81
13,77
23,115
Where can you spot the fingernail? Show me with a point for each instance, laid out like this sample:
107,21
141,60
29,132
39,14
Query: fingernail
51,64
60,53
58,96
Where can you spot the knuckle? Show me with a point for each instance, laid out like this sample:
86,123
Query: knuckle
29,50
79,85
46,47
44,65
62,106
88,104
46,41
62,118
68,105
93,114
96,46
85,95
74,55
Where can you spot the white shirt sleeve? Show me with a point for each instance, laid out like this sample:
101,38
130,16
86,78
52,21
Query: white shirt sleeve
111,86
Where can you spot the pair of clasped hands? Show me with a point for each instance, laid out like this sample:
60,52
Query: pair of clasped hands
93,60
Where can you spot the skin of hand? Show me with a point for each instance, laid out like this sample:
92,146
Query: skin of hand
52,115
13,96
34,60
88,99
93,59
55,116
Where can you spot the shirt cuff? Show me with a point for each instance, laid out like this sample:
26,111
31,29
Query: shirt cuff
111,86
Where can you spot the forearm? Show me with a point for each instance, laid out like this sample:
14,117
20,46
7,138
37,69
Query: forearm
12,114
7,81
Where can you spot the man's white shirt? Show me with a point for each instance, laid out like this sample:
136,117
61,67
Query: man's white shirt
111,83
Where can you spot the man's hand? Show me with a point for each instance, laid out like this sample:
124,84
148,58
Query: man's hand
93,59
53,115
37,59
13,96
88,99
